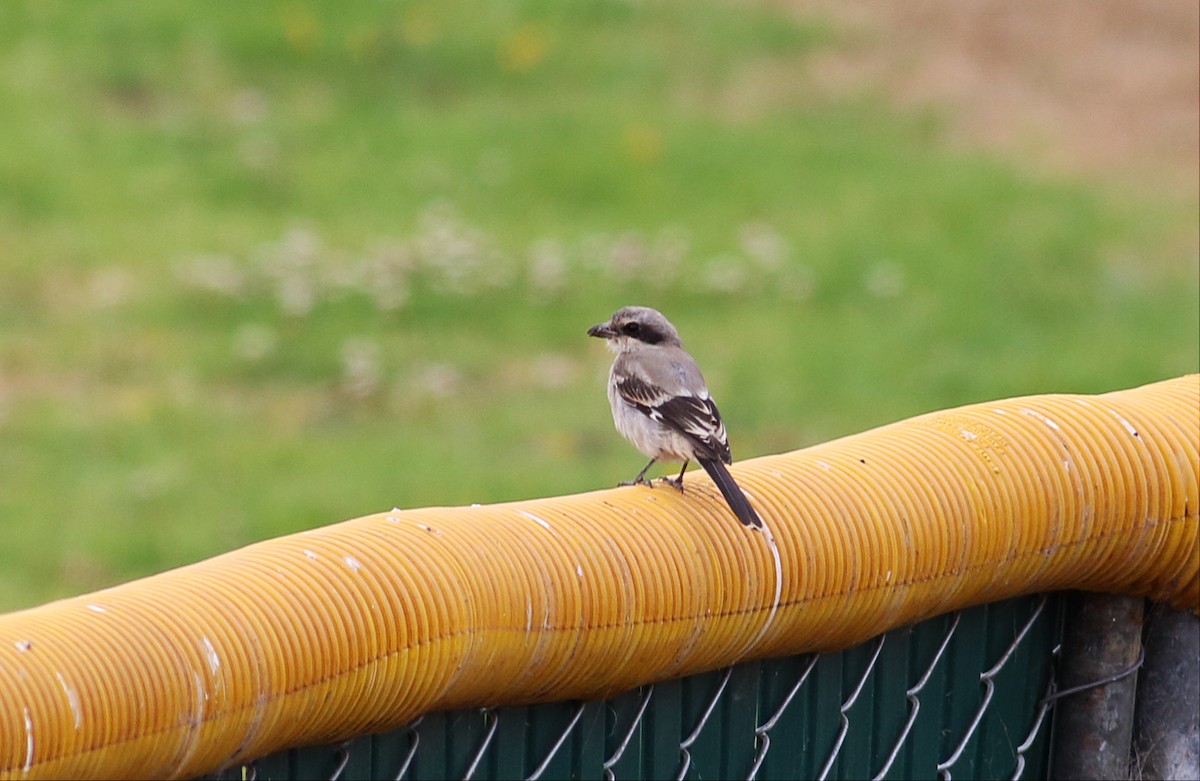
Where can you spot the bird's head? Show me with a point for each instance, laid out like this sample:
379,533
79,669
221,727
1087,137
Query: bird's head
635,326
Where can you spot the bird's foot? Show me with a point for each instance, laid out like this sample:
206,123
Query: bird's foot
675,482
638,481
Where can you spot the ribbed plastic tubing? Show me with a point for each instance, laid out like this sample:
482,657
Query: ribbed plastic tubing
364,625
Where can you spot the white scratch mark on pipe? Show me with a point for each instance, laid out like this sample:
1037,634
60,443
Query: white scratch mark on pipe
774,549
28,741
579,570
1128,426
534,518
201,697
310,554
967,435
197,719
353,563
23,645
528,616
825,465
97,609
210,653
72,699
1035,414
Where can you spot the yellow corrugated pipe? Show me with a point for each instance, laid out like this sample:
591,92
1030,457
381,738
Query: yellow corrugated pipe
363,625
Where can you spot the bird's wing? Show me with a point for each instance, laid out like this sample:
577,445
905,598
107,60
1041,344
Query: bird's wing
692,414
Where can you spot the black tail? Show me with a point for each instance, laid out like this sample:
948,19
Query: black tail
733,495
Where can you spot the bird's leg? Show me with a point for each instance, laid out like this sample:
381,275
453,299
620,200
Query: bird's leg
641,478
678,481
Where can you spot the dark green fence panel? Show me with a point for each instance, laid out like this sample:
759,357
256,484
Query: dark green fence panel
958,695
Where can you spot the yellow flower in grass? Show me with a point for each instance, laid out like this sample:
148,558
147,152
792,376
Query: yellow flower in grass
642,143
524,48
301,28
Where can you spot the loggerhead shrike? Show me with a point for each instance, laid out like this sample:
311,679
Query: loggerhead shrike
661,404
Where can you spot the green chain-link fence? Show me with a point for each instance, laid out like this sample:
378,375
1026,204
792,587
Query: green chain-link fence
957,696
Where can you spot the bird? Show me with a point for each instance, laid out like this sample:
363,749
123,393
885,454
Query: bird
661,404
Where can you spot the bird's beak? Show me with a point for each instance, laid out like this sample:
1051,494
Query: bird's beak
602,331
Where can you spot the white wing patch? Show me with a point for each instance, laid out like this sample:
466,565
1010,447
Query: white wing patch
694,416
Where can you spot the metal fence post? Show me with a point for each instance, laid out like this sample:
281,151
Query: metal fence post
1093,728
1168,708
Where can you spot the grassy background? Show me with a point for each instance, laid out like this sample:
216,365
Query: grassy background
268,267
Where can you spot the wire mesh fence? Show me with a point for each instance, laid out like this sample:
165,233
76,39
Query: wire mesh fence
963,695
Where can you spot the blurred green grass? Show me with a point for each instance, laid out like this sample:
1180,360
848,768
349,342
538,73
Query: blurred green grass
268,267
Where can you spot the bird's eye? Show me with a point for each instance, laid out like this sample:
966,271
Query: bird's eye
632,328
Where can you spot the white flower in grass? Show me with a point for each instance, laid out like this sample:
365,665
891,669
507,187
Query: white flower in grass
763,244
361,367
383,275
290,267
254,342
388,290
110,286
885,280
218,274
626,257
547,266
247,107
666,254
437,380
459,257
725,274
554,371
296,295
